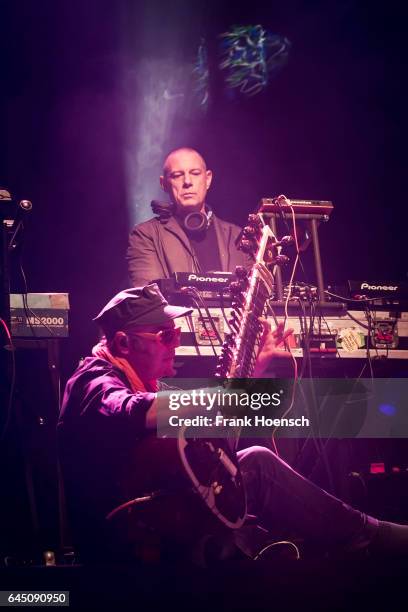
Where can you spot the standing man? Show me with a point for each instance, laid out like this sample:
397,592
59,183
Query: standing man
186,236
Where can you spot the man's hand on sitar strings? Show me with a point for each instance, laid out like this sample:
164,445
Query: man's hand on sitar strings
271,346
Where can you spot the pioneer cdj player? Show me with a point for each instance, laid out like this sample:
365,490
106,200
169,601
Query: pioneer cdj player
213,287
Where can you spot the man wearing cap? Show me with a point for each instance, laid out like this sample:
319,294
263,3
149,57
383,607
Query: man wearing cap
185,236
109,403
110,407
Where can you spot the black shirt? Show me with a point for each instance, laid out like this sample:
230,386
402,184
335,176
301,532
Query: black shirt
205,247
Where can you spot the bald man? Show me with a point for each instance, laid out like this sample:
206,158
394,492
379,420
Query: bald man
185,236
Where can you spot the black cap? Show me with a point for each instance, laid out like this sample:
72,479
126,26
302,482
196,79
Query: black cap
137,306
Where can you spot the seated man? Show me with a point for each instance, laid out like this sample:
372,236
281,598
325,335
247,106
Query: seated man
110,407
172,242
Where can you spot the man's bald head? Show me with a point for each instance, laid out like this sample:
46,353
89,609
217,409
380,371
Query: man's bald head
176,152
186,180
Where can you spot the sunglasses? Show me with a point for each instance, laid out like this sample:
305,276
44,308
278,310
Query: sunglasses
168,337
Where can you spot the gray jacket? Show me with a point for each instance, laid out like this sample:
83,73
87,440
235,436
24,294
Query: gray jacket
156,250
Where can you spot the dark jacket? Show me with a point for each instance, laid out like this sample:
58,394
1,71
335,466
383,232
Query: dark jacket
100,422
157,249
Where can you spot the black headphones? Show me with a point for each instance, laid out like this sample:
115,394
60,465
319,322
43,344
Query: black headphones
124,341
196,222
193,223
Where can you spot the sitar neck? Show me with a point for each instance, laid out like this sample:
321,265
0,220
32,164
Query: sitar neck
251,292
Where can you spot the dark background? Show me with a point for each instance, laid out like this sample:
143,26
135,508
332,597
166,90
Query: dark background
329,126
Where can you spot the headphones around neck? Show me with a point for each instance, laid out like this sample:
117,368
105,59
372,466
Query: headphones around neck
193,223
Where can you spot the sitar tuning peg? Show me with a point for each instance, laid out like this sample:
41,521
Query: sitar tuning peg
249,231
239,286
235,288
254,219
281,260
248,246
241,272
285,240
